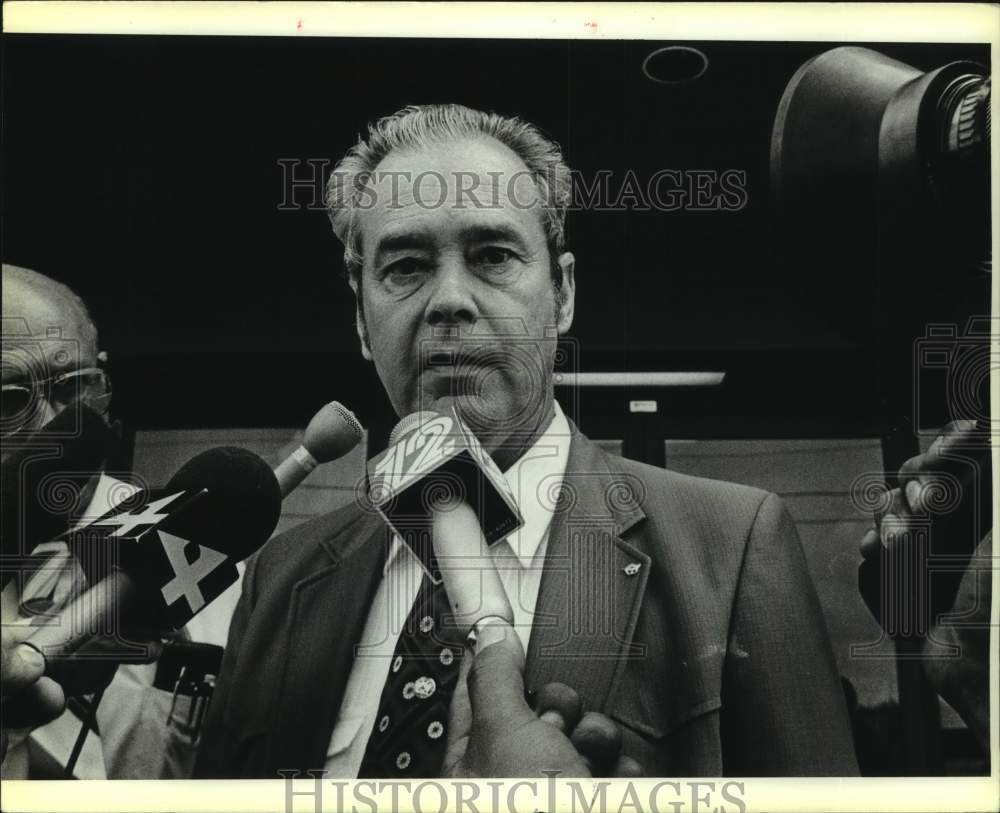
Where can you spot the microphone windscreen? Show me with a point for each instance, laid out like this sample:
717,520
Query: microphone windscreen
242,506
43,476
332,433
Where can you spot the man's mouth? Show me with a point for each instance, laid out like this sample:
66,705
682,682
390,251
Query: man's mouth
460,371
458,360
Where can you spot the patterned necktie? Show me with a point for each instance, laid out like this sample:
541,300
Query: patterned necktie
410,731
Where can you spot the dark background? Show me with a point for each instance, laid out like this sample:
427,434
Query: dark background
144,172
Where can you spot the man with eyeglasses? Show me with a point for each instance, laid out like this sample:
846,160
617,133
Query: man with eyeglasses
50,356
51,362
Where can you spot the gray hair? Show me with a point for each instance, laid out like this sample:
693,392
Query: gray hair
416,126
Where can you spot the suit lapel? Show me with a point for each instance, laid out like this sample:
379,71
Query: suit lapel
593,582
327,614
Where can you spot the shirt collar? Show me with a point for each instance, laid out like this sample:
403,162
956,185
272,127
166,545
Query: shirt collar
108,493
534,480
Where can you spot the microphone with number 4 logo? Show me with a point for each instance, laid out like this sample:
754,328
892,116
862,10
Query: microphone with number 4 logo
174,550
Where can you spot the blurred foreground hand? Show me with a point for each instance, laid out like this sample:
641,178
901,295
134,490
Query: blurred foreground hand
950,485
28,699
494,732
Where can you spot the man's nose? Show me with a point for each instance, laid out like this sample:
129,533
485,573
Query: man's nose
451,300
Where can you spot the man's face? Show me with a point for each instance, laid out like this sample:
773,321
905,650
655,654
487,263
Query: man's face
43,337
459,305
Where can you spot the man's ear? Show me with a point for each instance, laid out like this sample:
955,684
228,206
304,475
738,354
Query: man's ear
566,295
359,318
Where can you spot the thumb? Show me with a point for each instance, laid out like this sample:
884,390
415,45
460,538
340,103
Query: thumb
496,677
29,665
23,665
459,714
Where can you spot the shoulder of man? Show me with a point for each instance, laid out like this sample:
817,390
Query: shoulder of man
299,551
706,520
665,489
700,533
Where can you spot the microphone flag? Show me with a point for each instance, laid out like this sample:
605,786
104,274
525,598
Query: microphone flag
439,457
159,537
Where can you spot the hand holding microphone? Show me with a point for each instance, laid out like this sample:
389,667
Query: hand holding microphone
32,698
178,553
436,475
492,730
476,596
175,553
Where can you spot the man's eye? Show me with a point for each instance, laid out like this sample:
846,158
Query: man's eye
405,270
15,400
494,256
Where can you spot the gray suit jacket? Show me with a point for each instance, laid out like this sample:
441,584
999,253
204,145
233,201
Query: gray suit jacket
681,607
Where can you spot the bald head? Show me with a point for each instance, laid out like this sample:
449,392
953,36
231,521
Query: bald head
37,305
47,331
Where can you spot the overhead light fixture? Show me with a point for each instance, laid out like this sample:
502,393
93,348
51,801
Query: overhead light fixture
675,65
620,379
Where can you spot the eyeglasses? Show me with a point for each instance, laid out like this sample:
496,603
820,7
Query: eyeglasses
20,403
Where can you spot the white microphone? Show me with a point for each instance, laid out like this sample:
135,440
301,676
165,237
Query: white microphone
477,599
332,433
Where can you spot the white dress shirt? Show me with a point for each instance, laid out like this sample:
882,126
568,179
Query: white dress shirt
534,479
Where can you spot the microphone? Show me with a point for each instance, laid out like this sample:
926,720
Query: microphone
434,456
476,595
177,548
43,479
331,434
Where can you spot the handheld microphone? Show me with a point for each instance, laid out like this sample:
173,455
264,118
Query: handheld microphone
177,548
434,456
43,479
475,592
331,434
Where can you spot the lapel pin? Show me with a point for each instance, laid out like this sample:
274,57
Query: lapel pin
631,569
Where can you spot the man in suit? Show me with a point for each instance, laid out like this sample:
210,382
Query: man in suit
680,608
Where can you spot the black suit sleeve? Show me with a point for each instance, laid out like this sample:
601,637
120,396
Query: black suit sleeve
214,748
783,707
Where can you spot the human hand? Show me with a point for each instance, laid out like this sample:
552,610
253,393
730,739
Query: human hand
946,494
951,485
493,732
92,666
81,651
28,698
957,652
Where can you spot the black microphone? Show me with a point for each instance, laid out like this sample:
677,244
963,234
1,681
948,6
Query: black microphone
176,549
43,480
